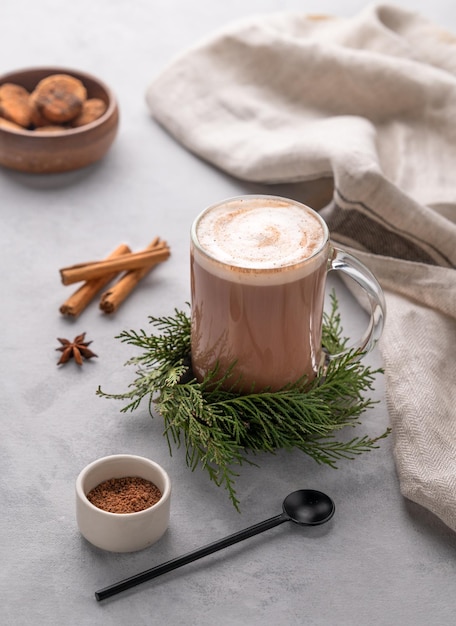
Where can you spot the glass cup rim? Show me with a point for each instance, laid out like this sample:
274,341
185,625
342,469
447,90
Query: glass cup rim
269,197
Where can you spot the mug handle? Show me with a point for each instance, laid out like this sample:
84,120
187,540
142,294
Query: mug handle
348,264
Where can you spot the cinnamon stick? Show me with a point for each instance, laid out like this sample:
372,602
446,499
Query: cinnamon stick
113,298
97,269
81,298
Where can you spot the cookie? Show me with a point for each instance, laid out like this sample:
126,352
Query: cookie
15,105
38,120
4,123
59,97
51,128
92,109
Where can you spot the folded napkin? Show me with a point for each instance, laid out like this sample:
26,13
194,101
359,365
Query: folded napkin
369,101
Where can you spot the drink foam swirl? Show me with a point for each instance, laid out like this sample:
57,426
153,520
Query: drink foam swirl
260,233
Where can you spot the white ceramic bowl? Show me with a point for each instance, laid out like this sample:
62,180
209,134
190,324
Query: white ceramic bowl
122,532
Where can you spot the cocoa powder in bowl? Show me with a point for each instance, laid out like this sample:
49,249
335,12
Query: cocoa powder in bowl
128,494
123,532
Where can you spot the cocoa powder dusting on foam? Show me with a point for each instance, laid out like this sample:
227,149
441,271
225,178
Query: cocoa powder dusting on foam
260,234
129,494
269,236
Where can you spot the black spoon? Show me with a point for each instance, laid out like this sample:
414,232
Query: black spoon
305,507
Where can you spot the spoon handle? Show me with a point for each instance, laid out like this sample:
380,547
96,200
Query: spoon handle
142,577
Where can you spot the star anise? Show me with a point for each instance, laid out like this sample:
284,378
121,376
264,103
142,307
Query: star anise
77,349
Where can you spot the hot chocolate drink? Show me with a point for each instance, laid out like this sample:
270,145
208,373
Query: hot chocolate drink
258,269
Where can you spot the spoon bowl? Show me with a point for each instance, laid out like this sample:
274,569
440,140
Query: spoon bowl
308,507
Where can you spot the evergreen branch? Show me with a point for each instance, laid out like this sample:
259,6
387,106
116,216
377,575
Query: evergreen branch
219,428
332,330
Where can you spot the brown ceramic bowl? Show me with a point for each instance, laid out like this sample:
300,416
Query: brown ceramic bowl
70,149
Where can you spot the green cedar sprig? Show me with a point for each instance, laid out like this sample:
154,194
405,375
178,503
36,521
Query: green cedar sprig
220,429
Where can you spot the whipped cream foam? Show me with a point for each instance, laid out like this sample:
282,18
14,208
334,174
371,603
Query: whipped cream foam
260,233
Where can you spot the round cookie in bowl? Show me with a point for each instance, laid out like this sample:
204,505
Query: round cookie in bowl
55,120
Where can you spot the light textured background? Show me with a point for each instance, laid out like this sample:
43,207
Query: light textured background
382,560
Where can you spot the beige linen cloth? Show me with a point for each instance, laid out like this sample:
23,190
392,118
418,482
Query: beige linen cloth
371,102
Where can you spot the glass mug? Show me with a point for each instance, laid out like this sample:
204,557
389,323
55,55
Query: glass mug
258,272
